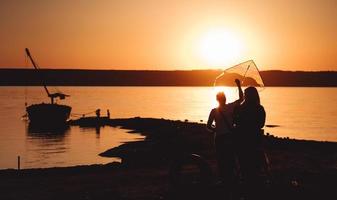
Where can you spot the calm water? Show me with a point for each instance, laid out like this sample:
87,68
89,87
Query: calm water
305,113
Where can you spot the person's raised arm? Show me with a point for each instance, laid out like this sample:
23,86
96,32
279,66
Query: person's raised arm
238,83
210,127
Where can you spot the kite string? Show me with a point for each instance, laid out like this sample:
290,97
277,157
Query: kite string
244,76
214,83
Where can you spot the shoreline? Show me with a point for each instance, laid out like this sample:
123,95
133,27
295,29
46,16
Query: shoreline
144,170
199,140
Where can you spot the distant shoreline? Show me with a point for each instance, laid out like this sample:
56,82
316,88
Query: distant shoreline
73,77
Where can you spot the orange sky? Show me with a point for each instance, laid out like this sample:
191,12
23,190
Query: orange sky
170,35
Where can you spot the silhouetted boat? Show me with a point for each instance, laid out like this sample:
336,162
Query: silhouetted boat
49,115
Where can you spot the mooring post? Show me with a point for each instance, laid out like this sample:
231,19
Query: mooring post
18,162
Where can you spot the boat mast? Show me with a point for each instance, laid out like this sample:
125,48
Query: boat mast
43,82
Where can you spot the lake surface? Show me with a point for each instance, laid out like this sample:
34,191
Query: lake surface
303,113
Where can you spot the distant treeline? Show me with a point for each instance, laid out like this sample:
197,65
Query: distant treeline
71,77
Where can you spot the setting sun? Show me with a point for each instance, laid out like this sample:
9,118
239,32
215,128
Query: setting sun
219,47
169,99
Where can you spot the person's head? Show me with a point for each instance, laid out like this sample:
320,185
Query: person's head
252,96
221,98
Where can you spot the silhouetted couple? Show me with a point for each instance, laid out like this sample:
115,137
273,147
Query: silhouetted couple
238,134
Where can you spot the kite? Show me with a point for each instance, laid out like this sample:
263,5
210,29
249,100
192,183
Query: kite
247,72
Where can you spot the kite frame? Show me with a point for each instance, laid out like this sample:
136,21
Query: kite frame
244,77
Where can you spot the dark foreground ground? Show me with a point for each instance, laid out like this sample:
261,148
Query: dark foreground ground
298,169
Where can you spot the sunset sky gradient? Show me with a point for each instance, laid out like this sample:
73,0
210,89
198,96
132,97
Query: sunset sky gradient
169,35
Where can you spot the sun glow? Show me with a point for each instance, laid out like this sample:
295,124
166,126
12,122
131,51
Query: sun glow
231,93
219,47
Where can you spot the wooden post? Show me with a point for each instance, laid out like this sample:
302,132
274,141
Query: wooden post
18,162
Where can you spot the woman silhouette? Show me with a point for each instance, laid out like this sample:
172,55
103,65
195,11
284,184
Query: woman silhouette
249,119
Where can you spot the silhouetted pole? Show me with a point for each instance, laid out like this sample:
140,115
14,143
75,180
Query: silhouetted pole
35,66
18,162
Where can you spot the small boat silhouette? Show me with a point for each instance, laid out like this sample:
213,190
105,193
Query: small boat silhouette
49,115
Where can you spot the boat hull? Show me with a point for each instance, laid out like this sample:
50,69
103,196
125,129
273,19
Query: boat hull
48,115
